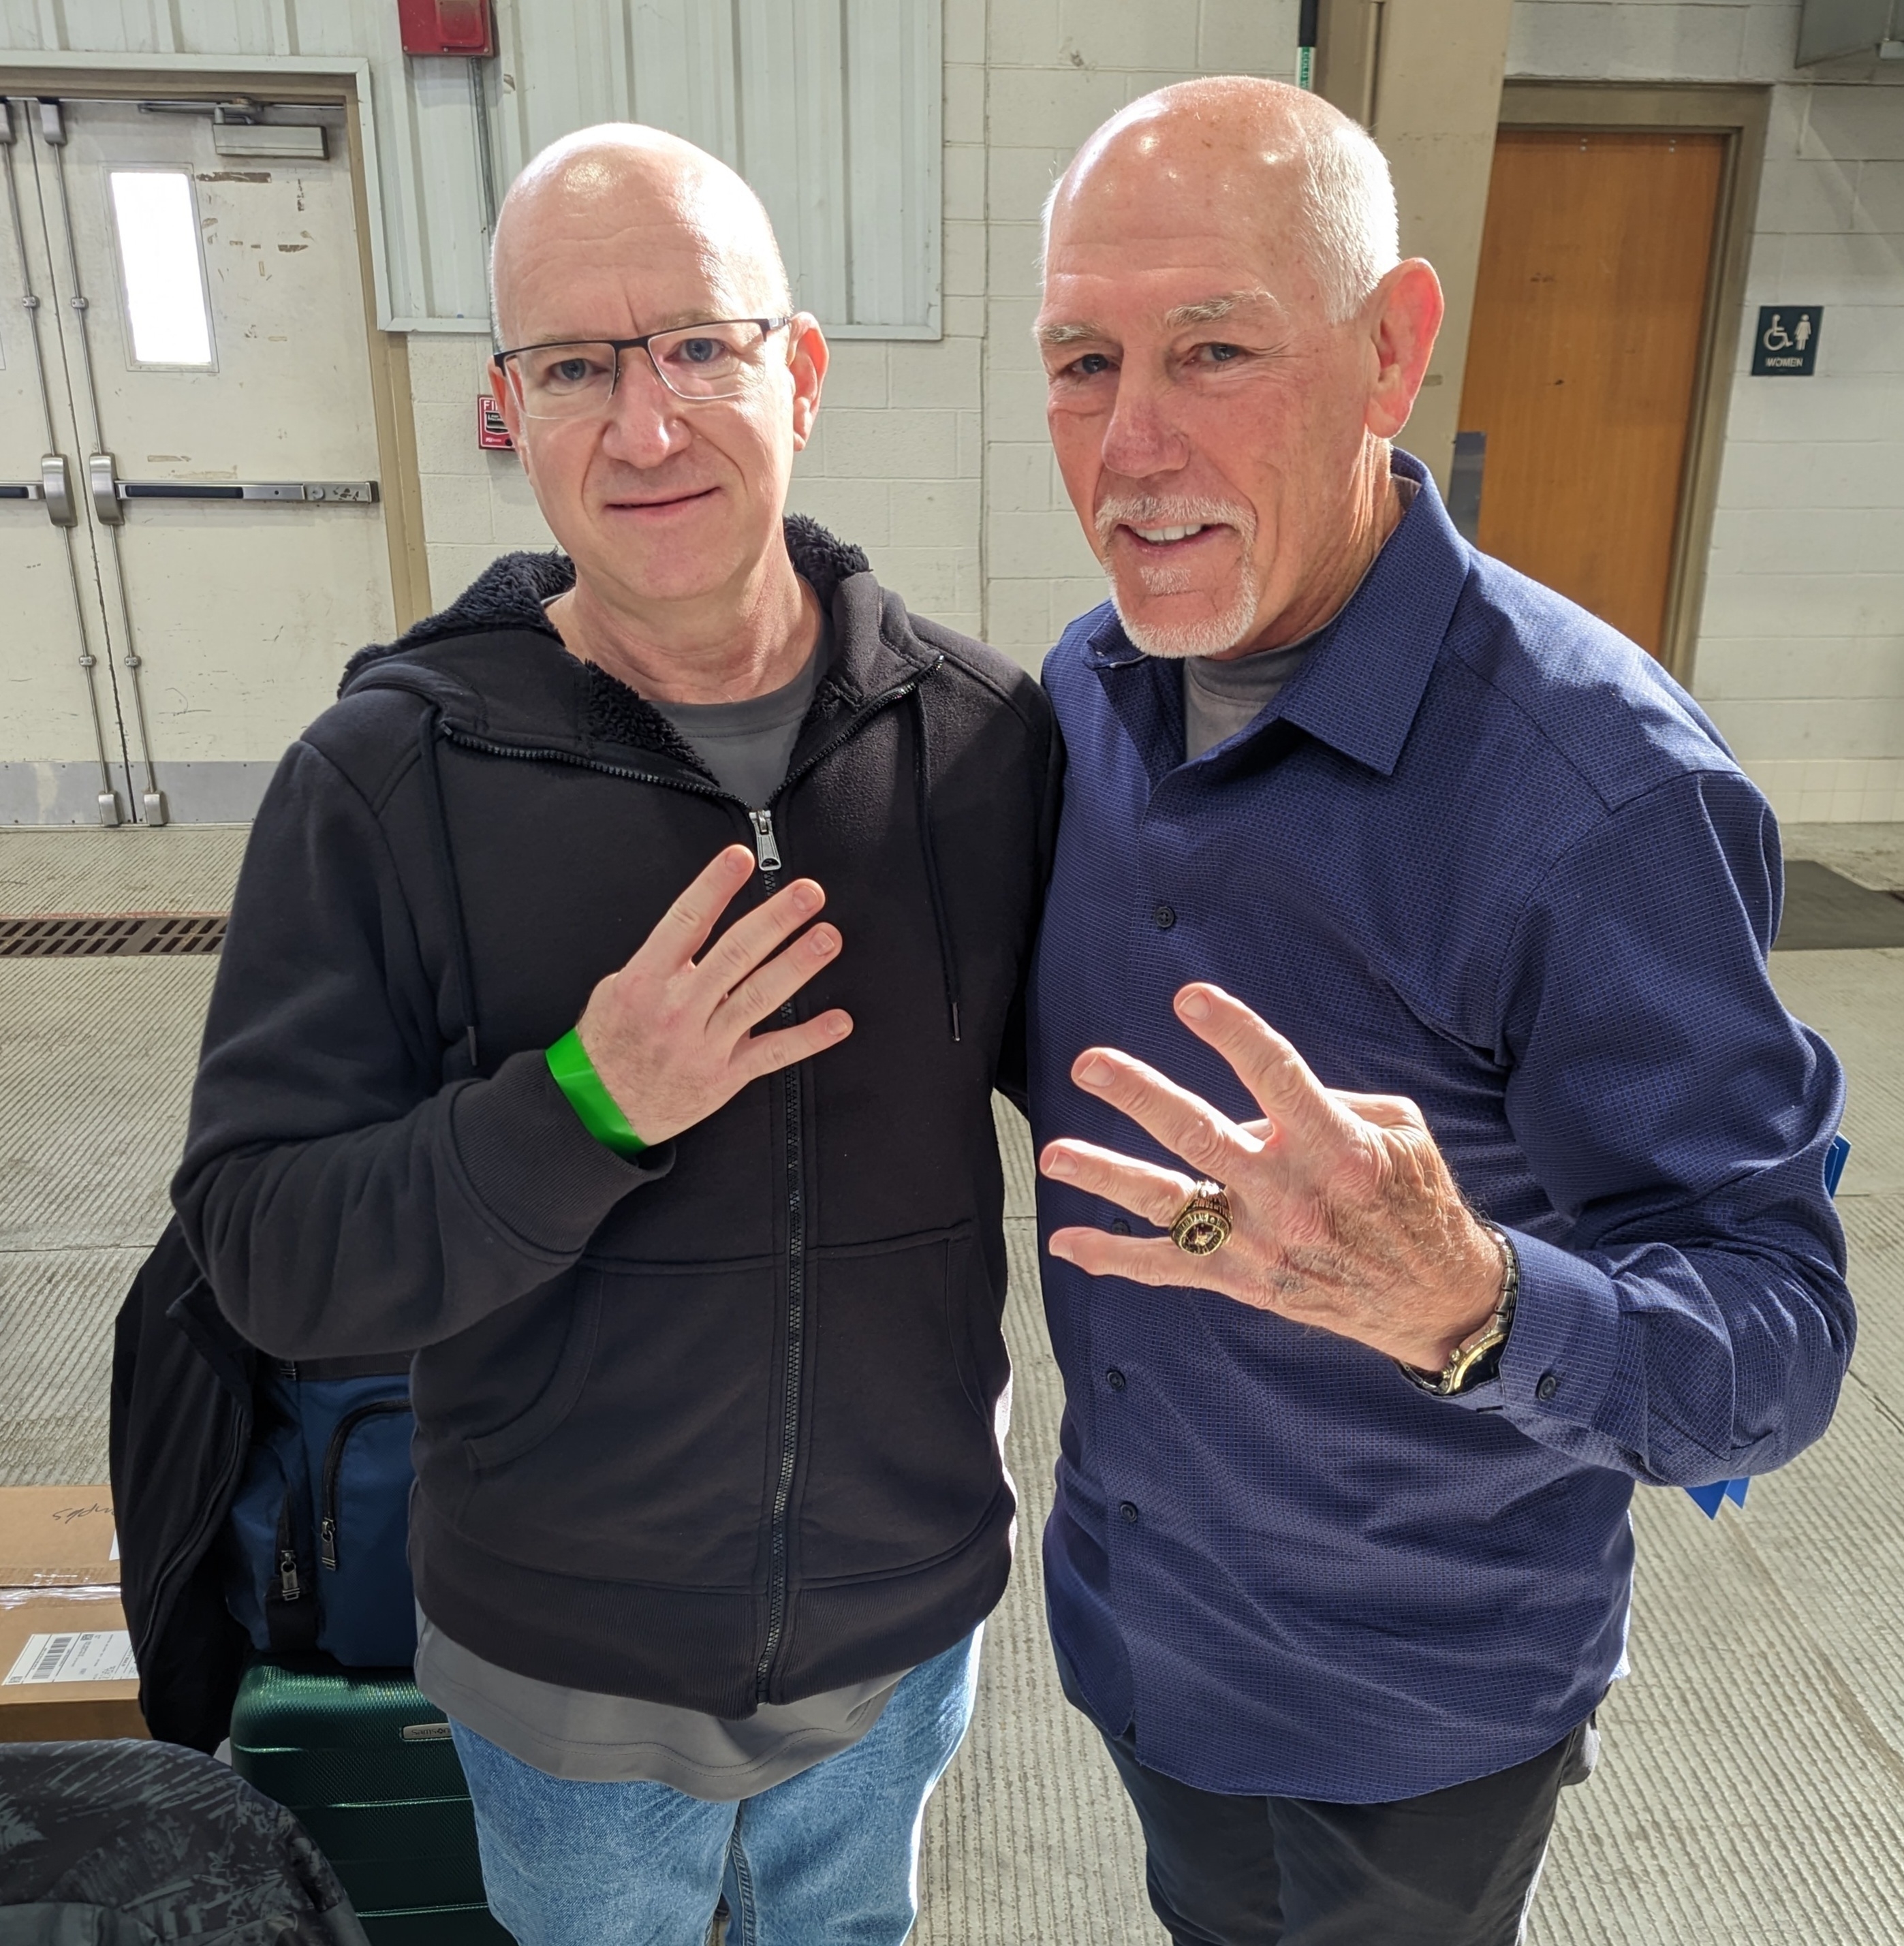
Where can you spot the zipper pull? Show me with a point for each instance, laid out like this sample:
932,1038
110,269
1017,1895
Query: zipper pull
765,849
327,1541
288,1588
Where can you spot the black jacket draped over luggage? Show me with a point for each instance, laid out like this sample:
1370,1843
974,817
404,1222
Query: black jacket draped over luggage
719,1426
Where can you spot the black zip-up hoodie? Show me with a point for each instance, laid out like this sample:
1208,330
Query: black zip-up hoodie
719,1426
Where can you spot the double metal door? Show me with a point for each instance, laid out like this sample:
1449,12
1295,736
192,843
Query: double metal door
191,536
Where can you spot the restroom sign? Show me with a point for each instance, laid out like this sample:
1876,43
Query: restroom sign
1787,344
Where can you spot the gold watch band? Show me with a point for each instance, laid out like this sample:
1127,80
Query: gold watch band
1473,1350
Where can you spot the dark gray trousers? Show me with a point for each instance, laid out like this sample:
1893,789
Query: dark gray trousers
1457,1867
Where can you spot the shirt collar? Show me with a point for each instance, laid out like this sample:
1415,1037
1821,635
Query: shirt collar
1361,686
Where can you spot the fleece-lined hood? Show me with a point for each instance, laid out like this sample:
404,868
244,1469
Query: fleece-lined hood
492,664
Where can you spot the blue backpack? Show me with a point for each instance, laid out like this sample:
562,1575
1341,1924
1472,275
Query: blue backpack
316,1557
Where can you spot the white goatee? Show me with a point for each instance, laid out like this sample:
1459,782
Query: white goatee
1213,633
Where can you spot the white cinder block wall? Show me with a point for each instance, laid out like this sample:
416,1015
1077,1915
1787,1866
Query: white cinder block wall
1800,655
932,455
989,543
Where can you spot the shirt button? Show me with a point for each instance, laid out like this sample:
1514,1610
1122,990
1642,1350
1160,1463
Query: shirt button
1165,916
1114,1379
1129,1509
1550,1384
1119,1227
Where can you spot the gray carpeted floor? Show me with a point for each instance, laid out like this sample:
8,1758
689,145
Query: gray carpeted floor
1752,1785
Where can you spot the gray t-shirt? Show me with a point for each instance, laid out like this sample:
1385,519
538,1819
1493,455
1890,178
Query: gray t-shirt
1219,699
596,1739
745,745
592,1739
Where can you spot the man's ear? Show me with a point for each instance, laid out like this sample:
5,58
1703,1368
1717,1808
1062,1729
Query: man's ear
808,357
510,407
1404,313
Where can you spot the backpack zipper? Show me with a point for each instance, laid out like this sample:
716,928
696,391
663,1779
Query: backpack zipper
768,854
289,1588
334,1465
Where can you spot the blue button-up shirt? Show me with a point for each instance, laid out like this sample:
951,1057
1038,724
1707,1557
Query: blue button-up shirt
1483,852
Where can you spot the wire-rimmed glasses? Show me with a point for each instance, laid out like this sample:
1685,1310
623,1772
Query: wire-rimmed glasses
576,377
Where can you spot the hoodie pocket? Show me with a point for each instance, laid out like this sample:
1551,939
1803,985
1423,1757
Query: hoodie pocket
515,1438
908,1362
645,1457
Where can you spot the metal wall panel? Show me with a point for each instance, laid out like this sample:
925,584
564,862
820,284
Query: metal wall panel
830,108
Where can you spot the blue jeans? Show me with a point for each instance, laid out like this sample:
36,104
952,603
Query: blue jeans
830,1857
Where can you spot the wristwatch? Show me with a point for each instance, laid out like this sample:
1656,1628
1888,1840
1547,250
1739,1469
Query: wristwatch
1477,1358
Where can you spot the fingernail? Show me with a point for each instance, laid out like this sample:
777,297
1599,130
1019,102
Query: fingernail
807,896
1194,1006
1058,1162
824,941
1060,1248
842,1025
1097,1072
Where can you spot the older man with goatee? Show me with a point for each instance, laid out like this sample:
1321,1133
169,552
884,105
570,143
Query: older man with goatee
1427,1156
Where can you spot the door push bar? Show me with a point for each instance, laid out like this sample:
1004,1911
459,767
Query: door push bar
109,493
53,486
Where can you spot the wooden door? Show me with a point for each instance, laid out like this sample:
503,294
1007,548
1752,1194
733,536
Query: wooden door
1589,315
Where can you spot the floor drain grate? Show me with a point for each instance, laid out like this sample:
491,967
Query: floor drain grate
111,935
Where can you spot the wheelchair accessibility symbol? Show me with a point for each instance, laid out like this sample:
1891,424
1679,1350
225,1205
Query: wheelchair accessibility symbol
1786,346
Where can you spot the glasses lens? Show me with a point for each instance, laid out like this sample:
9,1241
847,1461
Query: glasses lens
560,381
708,361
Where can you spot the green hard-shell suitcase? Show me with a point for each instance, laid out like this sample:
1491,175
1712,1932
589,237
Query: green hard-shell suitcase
366,1763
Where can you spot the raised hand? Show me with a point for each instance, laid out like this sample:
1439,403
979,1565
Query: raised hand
672,1036
1344,1214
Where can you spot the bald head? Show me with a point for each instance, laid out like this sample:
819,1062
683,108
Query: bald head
1271,162
617,184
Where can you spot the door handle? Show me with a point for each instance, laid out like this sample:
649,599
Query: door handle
56,490
102,476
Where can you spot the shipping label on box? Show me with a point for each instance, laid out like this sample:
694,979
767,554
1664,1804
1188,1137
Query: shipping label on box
57,1537
78,1655
66,1670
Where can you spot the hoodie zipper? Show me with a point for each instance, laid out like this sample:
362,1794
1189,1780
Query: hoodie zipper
768,854
334,1465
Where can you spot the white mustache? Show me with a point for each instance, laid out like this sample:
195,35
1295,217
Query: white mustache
1146,509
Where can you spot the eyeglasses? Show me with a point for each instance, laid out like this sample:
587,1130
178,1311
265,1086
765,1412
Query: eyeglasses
576,377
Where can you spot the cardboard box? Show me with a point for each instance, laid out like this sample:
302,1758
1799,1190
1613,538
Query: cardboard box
66,1666
66,1658
57,1537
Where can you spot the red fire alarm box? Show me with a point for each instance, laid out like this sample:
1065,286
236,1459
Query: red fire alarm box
446,26
492,428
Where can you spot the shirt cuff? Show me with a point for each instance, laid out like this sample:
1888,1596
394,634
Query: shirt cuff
1563,1349
530,1162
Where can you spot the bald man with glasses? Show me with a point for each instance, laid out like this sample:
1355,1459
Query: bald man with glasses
616,989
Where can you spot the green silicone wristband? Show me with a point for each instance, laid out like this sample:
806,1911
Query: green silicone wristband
594,1107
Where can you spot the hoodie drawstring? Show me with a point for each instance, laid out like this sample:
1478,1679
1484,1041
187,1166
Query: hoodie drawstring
427,734
923,792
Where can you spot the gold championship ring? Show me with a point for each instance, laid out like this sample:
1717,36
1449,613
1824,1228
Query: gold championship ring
1203,1225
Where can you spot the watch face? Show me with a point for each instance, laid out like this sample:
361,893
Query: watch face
1476,1364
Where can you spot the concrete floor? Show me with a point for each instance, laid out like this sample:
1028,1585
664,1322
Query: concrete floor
1751,1787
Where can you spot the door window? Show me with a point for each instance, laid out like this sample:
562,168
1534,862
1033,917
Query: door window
161,272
